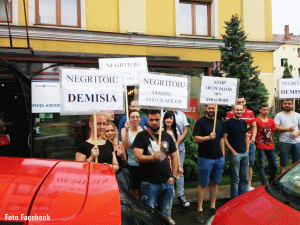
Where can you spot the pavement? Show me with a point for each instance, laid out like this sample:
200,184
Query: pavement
223,193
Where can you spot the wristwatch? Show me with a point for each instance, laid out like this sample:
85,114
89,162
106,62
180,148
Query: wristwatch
253,140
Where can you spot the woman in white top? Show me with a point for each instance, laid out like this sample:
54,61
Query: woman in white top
128,134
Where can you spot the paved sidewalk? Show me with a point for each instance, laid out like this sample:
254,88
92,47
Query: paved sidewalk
223,192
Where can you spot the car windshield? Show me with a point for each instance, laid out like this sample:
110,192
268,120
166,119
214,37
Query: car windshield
290,182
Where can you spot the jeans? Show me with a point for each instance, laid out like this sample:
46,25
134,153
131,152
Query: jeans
251,154
271,155
180,181
239,165
162,194
287,150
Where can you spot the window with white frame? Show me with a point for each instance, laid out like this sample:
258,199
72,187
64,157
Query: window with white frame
58,12
195,18
5,6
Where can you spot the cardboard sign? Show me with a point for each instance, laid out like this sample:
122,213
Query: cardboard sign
129,68
84,91
289,88
218,90
163,91
45,97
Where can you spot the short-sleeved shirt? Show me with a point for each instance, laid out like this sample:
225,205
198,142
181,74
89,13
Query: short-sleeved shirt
123,120
181,121
286,120
105,151
158,171
236,130
208,149
264,139
247,115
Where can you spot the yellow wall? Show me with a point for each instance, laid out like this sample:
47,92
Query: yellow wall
161,17
253,19
102,15
264,61
132,15
268,20
226,12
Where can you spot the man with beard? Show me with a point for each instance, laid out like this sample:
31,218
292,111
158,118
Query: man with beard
237,141
157,181
211,151
289,139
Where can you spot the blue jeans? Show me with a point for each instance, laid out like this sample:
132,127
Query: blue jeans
162,194
287,150
271,155
239,165
180,181
210,169
251,154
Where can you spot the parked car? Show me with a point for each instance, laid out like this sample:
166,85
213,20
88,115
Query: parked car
40,191
276,203
57,141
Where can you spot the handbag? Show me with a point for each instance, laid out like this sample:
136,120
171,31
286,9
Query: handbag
4,140
124,178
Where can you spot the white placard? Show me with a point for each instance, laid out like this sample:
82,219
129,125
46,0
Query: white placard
45,97
129,68
218,90
84,91
162,91
289,88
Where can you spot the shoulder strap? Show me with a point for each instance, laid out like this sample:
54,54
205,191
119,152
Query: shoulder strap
155,139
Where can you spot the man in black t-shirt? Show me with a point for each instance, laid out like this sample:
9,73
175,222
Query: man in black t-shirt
237,141
158,178
211,158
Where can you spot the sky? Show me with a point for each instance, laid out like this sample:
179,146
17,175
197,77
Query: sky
286,12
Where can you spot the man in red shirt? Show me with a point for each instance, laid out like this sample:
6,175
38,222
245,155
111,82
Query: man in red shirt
248,116
263,129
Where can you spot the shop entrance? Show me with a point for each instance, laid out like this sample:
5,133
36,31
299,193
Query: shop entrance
14,123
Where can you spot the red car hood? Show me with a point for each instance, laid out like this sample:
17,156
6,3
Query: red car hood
256,207
58,192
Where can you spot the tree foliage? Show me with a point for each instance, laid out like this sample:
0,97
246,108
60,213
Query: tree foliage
287,73
236,62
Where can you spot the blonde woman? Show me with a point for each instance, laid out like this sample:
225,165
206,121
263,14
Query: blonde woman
97,147
111,134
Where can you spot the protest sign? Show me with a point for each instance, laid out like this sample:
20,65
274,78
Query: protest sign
84,91
45,97
289,88
218,90
129,68
164,91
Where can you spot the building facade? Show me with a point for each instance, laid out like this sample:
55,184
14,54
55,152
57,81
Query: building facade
179,37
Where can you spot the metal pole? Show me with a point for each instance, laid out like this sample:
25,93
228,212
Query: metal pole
25,14
10,38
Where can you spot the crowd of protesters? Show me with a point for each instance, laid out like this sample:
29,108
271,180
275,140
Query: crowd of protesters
156,166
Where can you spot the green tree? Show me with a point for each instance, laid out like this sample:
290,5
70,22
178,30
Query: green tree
236,62
287,73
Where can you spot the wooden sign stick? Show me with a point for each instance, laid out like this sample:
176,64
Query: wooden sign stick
95,132
160,129
215,121
294,105
126,103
